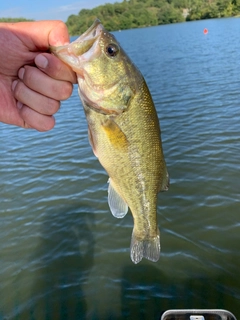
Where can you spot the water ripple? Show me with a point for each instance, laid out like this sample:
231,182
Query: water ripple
62,252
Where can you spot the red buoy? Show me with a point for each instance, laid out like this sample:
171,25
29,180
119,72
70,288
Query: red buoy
205,31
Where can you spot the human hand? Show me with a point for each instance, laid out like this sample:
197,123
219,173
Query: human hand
32,81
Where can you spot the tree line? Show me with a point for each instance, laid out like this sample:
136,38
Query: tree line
14,19
130,14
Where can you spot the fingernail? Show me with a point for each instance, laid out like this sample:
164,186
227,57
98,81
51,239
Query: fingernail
19,105
21,73
41,61
14,84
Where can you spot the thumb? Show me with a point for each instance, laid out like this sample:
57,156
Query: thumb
58,35
38,35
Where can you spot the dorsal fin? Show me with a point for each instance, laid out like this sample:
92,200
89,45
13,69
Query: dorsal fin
164,185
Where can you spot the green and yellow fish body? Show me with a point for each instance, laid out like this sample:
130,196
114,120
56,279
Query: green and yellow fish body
123,130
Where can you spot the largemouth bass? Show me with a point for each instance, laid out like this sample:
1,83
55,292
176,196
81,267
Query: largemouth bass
123,130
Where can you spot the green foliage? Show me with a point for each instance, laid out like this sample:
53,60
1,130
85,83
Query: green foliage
167,14
142,13
126,15
207,9
14,19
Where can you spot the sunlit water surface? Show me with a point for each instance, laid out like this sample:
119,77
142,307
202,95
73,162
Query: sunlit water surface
63,255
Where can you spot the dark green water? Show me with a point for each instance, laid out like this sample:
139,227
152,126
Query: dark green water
62,254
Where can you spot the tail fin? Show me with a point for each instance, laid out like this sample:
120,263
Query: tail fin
148,248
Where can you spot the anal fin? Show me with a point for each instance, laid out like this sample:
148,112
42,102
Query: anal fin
117,205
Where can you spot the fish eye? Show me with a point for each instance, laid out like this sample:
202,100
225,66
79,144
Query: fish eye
112,50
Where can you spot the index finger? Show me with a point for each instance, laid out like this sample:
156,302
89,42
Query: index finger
55,68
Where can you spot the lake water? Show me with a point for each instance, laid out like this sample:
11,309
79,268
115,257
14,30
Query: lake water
64,256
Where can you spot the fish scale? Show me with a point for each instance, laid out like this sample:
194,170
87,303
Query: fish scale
124,132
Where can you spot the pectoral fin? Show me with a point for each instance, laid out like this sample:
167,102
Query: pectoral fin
115,135
117,205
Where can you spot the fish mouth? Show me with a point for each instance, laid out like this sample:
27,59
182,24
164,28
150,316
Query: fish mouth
80,50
